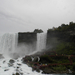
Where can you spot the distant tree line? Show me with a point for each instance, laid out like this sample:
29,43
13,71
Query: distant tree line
64,27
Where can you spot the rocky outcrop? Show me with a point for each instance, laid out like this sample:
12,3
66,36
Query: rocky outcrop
27,37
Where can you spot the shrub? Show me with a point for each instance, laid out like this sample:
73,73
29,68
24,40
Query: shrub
59,68
45,59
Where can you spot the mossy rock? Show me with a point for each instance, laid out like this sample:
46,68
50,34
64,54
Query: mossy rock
35,59
59,68
45,59
26,59
11,61
47,70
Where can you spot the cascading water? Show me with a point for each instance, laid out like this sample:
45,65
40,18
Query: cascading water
7,43
41,41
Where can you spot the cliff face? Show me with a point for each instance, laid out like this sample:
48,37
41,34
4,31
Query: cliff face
27,41
63,42
52,40
31,39
56,40
27,37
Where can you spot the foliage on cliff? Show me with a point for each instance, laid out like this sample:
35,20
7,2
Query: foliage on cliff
65,34
64,27
38,31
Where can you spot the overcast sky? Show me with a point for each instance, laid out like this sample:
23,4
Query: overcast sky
27,15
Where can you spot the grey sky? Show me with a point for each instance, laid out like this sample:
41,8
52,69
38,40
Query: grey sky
27,15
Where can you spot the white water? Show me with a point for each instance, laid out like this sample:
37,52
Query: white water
23,68
8,45
41,41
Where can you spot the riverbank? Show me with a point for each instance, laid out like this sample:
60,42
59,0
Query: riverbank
51,64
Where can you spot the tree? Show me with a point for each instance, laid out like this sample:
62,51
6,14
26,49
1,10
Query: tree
38,31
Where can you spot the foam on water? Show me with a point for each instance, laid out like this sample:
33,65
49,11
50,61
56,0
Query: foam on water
23,68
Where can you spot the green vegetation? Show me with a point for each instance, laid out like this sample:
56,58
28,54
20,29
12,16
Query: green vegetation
45,59
65,35
47,62
65,48
59,68
38,31
60,59
61,41
64,27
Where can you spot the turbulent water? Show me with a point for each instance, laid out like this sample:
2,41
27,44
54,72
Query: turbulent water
22,69
8,46
7,43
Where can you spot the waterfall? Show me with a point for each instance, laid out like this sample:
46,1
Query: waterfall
41,41
7,43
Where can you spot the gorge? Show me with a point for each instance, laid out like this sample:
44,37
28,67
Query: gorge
56,42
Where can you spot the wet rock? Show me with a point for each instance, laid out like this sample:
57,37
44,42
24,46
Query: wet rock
19,64
47,71
6,69
35,59
37,69
16,74
17,67
13,74
10,64
11,61
4,61
26,59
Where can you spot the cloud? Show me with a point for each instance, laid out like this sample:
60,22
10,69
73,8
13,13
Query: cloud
30,14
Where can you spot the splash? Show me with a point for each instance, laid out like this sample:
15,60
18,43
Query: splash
7,43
